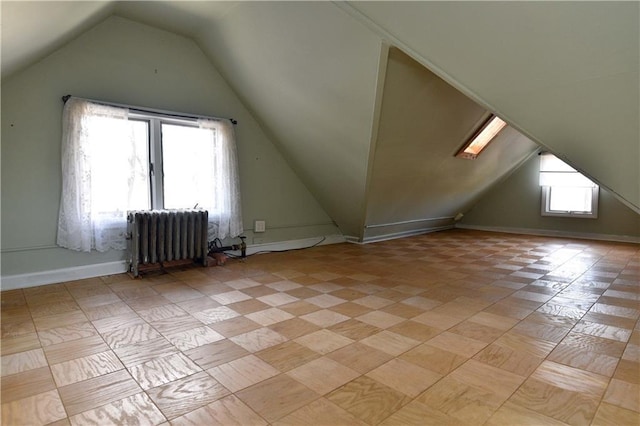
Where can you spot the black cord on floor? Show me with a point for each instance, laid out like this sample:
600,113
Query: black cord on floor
234,256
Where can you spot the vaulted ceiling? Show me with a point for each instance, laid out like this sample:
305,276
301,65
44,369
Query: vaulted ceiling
368,101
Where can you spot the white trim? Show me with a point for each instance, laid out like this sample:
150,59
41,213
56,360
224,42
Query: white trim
12,282
34,279
554,233
397,235
406,222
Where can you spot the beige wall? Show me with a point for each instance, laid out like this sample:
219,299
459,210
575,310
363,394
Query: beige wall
126,62
515,204
415,175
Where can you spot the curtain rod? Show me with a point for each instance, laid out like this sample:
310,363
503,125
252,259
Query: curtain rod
65,98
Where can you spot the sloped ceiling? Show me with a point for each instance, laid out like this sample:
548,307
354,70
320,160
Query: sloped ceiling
566,75
563,73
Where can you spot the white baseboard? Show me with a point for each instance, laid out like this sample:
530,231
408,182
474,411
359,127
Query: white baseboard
555,233
396,235
35,279
11,282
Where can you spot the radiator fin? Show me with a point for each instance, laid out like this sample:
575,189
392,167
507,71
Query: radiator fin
158,236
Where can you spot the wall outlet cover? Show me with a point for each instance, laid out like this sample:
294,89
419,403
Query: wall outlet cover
259,226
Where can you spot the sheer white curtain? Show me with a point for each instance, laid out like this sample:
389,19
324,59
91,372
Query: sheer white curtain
104,174
225,216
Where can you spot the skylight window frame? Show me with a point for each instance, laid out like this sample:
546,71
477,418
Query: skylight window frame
466,152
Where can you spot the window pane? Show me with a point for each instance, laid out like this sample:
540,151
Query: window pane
188,155
120,165
570,199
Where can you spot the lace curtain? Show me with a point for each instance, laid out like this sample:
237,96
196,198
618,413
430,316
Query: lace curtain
105,174
225,218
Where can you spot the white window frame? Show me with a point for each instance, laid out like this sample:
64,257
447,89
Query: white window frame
156,168
553,169
545,209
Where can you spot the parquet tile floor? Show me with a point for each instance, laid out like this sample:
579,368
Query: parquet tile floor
456,327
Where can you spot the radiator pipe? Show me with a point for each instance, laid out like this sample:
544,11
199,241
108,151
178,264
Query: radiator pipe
213,248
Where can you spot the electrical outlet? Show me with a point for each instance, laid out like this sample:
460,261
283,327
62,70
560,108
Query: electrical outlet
259,226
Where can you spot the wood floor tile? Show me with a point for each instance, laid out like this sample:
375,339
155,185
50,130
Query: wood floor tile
623,394
259,339
418,414
565,405
174,325
230,297
189,339
434,359
187,394
59,320
228,411
242,372
39,409
500,383
218,314
368,400
351,309
608,414
472,327
584,359
461,401
21,343
22,361
47,309
389,342
93,393
269,316
518,362
319,412
511,414
323,375
324,341
601,330
67,333
461,345
359,357
126,336
287,355
404,377
212,354
86,367
571,378
324,318
118,322
26,384
234,326
298,308
628,371
106,311
277,397
162,370
136,409
138,353
380,319
16,325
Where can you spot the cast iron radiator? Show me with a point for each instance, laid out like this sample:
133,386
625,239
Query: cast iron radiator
157,236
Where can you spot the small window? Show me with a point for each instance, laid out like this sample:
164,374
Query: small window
565,191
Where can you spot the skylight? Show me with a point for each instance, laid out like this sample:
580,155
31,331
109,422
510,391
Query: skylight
481,138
